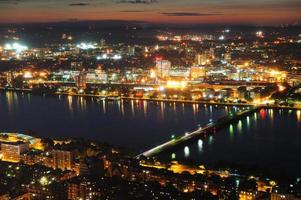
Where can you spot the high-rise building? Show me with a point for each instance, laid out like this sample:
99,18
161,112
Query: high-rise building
81,80
227,57
196,72
102,42
12,151
77,65
131,50
62,159
163,67
9,78
201,59
77,191
102,75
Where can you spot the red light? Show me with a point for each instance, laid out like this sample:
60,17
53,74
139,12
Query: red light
263,113
159,58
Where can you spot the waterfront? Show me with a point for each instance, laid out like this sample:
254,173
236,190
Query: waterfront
140,125
135,124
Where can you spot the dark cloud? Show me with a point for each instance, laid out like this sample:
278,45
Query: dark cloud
188,14
10,2
78,4
132,11
136,1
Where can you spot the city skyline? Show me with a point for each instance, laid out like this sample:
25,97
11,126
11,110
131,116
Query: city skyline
267,12
150,99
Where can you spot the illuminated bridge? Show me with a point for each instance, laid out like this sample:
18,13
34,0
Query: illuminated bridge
208,129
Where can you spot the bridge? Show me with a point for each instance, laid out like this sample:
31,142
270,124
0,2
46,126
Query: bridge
209,128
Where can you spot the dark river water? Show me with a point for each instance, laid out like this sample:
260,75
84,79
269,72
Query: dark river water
136,124
270,138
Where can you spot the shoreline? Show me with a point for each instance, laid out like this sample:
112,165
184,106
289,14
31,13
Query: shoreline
116,98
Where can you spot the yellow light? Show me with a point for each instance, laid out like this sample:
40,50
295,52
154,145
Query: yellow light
152,74
298,115
43,181
27,74
273,183
42,74
281,88
176,84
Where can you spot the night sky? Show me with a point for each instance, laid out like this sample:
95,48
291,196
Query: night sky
157,11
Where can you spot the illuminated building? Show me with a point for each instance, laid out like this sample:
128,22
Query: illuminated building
176,84
247,195
77,65
83,188
102,76
11,151
196,72
131,50
81,80
276,196
201,59
34,157
9,78
114,169
179,72
62,159
77,191
163,67
227,57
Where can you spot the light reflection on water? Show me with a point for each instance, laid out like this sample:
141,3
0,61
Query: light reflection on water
136,124
270,141
200,145
266,137
186,151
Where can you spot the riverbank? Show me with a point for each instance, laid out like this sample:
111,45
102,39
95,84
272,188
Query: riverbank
108,97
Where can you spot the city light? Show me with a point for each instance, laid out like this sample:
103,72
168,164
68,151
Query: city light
106,57
152,74
16,47
139,89
44,181
260,34
86,46
281,88
27,75
222,37
176,84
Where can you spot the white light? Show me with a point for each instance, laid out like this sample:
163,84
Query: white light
116,57
221,37
8,47
86,46
27,75
186,151
16,47
104,56
200,144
